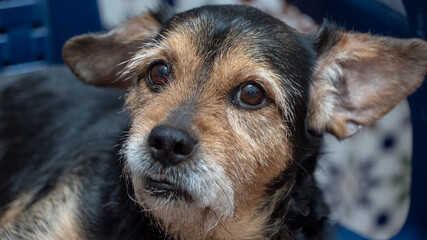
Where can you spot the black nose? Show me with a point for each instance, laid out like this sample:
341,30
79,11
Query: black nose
169,145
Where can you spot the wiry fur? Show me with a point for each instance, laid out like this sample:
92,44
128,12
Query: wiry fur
237,151
250,173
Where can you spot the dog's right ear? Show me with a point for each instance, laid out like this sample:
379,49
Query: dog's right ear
96,58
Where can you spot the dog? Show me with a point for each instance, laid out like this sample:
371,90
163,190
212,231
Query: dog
227,110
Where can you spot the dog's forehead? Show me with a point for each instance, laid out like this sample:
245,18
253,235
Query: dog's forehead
225,46
218,29
248,38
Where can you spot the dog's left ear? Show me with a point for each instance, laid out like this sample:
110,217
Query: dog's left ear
360,77
95,58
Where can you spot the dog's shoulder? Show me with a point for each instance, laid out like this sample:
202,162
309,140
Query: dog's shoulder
48,122
59,168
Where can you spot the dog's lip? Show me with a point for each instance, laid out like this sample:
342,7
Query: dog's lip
157,182
160,186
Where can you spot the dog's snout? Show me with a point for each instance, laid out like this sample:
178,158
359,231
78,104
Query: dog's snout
169,145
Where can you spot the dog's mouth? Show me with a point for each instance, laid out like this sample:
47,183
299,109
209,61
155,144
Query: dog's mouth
162,187
159,184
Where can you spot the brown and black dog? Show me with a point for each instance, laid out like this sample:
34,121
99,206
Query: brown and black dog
228,106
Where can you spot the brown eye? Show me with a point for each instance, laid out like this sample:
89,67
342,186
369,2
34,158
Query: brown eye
250,95
159,74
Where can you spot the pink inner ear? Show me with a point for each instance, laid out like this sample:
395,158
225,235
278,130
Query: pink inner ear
365,77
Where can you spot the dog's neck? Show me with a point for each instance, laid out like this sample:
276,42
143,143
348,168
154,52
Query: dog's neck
247,223
250,221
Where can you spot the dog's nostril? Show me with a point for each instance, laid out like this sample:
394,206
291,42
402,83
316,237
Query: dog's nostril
157,144
181,149
177,148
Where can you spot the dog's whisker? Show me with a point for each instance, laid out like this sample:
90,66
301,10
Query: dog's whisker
225,229
300,166
230,202
225,111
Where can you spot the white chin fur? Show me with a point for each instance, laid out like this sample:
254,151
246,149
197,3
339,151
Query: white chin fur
212,195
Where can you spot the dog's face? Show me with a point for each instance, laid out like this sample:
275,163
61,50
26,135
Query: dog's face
224,100
212,113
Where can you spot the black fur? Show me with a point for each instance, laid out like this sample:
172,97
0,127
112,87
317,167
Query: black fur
51,125
292,56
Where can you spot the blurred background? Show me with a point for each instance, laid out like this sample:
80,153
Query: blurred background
366,179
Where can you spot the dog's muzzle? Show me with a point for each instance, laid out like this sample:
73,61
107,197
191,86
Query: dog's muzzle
170,147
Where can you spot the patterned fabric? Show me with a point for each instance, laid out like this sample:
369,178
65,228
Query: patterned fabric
366,179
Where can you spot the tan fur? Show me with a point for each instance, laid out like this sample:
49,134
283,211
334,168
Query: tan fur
230,138
16,207
240,151
54,217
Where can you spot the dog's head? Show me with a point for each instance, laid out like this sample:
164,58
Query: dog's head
228,105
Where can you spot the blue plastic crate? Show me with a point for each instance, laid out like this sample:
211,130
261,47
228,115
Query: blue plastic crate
23,34
32,32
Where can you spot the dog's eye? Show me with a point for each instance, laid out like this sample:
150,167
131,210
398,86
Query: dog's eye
250,95
158,74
